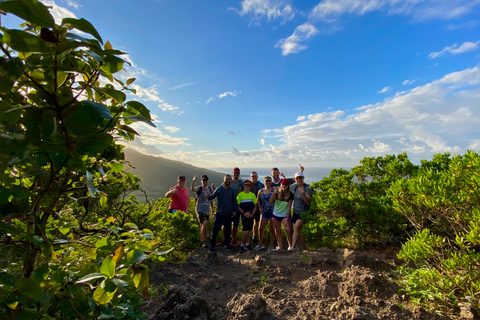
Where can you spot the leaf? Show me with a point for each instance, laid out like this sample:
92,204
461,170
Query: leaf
83,25
130,225
94,144
104,244
108,267
32,11
89,277
112,64
117,167
93,109
130,81
103,202
90,186
118,96
141,279
117,257
140,118
24,42
104,292
108,46
140,108
135,256
128,129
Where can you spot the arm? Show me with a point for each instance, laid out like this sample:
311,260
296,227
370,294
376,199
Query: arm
306,197
192,186
273,197
213,195
171,192
289,209
212,212
259,201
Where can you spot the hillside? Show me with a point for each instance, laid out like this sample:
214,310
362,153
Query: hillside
159,174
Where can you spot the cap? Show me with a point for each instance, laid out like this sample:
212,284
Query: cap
248,183
182,177
236,168
298,174
284,181
205,177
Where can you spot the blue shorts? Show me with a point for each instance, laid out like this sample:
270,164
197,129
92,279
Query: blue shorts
235,220
279,218
267,215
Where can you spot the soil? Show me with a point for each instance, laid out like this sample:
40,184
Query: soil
309,284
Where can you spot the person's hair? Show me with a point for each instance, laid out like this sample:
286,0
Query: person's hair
267,178
227,175
273,169
253,172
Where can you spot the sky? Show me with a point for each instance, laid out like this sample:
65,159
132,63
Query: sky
263,83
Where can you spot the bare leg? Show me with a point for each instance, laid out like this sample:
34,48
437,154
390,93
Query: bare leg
234,233
277,225
203,230
245,237
296,232
256,225
263,224
288,229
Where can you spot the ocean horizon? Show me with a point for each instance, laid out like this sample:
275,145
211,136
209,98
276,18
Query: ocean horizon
312,174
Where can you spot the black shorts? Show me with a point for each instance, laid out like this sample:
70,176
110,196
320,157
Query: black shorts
295,217
202,217
247,223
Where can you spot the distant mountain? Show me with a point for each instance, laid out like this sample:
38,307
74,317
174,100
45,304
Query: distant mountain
159,174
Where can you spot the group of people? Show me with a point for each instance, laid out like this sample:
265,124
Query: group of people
256,203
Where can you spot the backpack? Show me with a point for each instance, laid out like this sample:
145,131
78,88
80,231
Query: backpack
200,190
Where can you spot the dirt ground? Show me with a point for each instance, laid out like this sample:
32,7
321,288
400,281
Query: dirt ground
309,284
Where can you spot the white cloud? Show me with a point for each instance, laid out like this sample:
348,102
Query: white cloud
385,89
408,82
455,49
271,9
223,95
73,4
182,85
171,128
58,12
292,44
377,148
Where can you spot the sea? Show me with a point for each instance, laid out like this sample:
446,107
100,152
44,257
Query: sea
311,174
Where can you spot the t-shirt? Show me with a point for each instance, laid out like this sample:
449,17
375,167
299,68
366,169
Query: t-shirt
203,204
280,207
256,187
299,204
237,186
180,200
247,201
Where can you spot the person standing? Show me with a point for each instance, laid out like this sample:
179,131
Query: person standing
302,198
227,209
179,195
257,185
266,212
282,200
237,185
203,206
247,207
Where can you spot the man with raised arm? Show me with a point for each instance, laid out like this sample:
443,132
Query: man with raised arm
203,206
179,195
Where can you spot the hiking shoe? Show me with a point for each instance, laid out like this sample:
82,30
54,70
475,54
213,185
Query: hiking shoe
277,249
259,247
243,249
221,243
205,245
254,239
212,250
270,248
202,243
248,247
291,248
235,243
228,248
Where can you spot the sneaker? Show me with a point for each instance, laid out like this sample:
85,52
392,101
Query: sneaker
228,248
270,248
202,243
243,249
235,243
248,247
291,248
221,243
277,249
205,245
254,239
212,250
259,247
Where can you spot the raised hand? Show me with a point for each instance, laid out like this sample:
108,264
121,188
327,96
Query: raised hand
194,178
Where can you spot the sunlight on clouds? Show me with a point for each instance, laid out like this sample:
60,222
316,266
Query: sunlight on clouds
474,144
58,12
378,147
73,4
455,49
223,95
171,128
385,89
272,9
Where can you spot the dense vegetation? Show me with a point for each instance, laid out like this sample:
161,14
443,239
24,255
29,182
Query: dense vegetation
75,241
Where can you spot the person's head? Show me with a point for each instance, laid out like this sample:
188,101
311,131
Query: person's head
284,185
275,173
236,173
254,177
227,179
181,181
205,180
267,180
247,185
299,178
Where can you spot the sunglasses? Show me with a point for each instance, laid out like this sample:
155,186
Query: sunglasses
299,178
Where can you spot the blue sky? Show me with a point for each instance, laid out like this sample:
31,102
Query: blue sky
276,83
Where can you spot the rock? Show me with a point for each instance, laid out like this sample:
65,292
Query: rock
247,307
468,312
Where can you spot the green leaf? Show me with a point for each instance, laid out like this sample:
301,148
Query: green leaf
83,25
135,256
140,118
89,277
130,225
24,42
93,144
104,292
93,109
108,46
128,129
141,279
104,244
32,11
112,64
103,202
117,167
90,186
108,267
118,96
140,108
130,81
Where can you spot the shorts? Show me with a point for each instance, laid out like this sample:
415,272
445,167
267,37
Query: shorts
247,224
235,220
278,218
256,216
172,210
267,215
202,217
295,217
